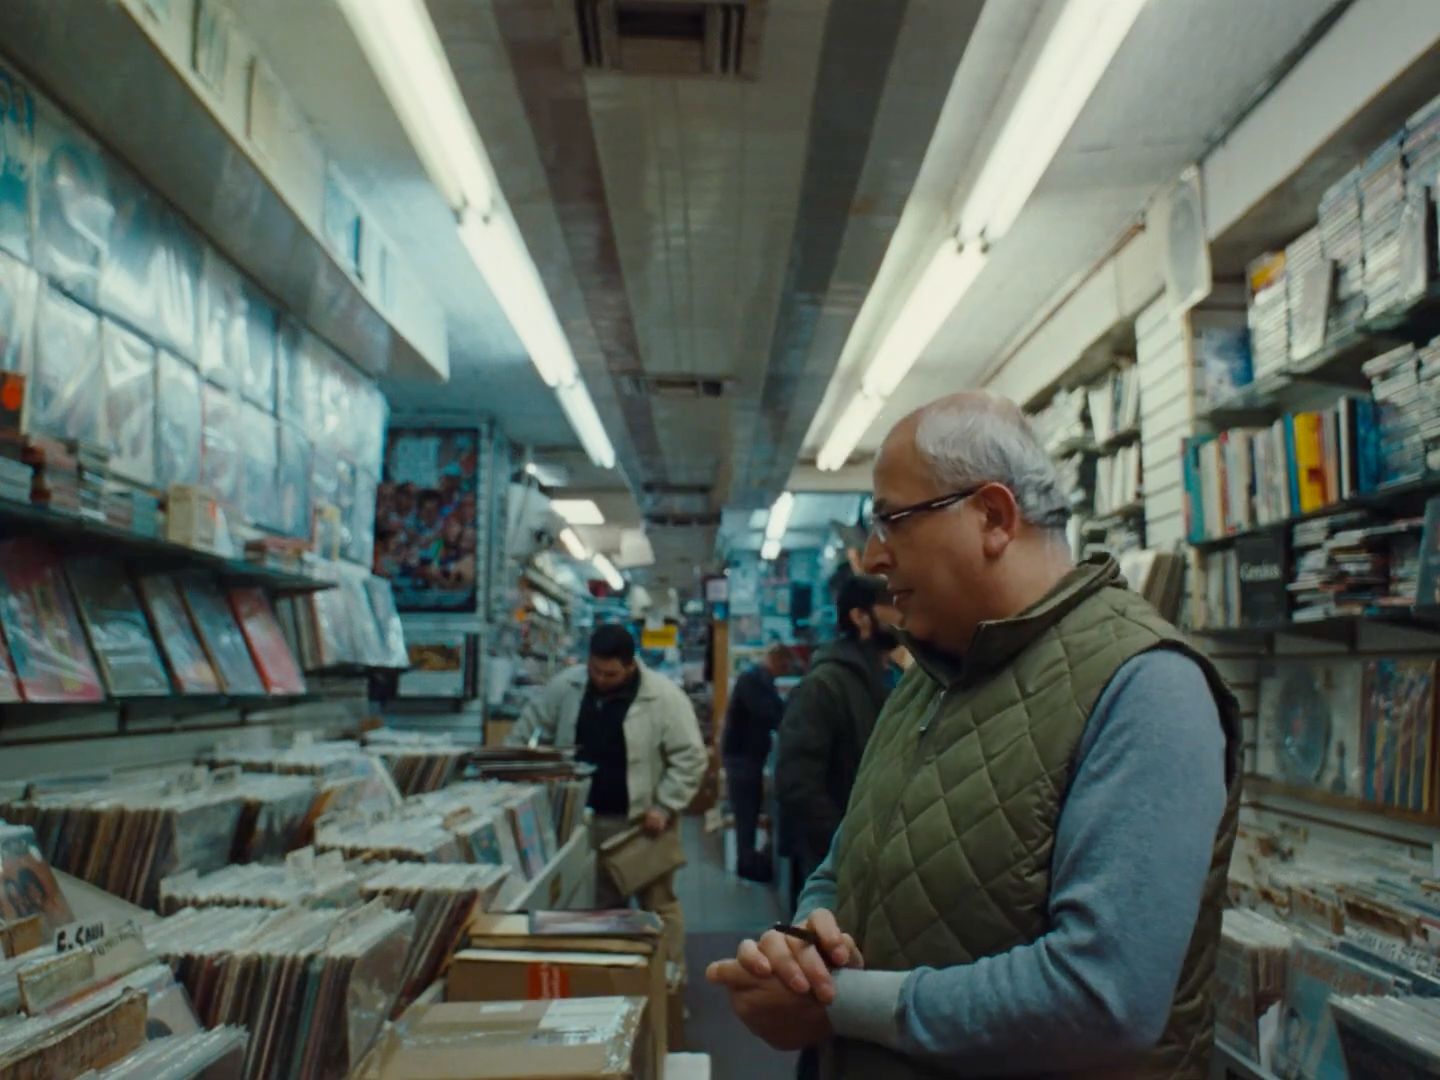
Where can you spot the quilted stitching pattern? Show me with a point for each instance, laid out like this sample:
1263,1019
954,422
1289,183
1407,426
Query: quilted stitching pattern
945,852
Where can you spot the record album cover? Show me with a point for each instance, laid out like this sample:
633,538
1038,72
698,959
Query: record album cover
118,630
221,638
189,665
27,884
1397,732
47,644
272,656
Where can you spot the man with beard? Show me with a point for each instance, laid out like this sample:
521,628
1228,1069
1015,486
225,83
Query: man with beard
828,721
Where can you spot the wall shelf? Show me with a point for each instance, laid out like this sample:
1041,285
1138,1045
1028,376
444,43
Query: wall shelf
1339,628
150,554
1264,785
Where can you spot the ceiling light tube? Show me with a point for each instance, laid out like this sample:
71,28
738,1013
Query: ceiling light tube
1081,45
580,408
574,545
848,431
946,278
770,550
779,519
578,511
400,41
608,572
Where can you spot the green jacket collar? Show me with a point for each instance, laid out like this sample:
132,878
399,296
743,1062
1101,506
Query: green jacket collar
998,641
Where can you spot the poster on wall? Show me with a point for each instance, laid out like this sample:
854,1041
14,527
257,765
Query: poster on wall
426,519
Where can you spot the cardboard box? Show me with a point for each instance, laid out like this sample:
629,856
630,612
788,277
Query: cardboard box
589,1038
507,960
92,1041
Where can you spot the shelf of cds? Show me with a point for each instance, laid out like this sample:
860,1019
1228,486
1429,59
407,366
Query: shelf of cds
163,916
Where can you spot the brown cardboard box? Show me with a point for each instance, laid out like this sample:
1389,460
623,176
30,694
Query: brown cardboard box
547,975
589,1038
92,1041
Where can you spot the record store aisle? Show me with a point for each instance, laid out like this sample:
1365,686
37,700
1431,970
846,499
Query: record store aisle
721,910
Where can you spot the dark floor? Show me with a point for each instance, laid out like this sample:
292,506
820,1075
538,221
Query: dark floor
721,911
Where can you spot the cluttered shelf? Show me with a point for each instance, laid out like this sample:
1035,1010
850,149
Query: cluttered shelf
1331,628
1336,364
1391,496
1258,785
14,716
153,553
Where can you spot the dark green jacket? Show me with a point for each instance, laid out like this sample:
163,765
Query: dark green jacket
828,720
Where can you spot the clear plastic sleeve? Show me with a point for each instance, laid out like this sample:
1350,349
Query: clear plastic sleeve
18,287
295,464
220,457
345,502
66,393
362,520
129,402
289,373
72,203
17,157
127,283
258,375
176,276
178,421
224,336
331,419
41,627
259,445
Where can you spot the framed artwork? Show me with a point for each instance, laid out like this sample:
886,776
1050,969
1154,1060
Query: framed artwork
427,519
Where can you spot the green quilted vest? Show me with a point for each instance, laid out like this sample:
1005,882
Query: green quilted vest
945,851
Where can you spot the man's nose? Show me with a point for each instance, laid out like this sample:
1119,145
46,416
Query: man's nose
875,559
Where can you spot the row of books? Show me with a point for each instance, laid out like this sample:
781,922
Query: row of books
77,628
1118,480
1316,929
1361,729
1245,478
1114,404
1405,383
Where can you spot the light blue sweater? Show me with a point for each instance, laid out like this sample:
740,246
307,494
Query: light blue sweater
1132,847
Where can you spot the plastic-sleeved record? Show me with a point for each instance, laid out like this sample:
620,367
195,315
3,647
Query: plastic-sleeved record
257,380
220,459
191,668
19,286
72,203
295,464
273,659
290,345
129,364
221,637
17,157
118,629
47,645
66,392
175,274
362,520
260,452
178,421
224,335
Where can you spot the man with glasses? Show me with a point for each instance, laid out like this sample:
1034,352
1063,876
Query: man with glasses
1030,873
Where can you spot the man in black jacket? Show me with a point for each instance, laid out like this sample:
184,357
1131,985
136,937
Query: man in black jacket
828,721
751,718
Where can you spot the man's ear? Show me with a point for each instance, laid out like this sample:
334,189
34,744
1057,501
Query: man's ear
1002,518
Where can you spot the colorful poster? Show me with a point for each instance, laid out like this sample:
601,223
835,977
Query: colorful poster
426,519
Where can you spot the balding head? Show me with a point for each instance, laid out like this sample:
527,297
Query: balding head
969,509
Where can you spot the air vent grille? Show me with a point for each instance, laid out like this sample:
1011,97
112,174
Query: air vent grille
668,37
673,386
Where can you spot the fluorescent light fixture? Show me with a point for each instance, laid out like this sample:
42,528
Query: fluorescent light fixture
608,572
499,251
402,46
578,511
779,519
769,550
1081,45
947,277
848,431
580,409
574,545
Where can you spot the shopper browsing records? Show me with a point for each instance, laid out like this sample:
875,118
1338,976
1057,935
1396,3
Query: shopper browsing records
639,731
750,720
1032,865
828,721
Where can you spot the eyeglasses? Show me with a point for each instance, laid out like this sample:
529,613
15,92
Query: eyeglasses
879,524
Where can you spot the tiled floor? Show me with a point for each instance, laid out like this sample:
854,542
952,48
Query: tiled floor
720,911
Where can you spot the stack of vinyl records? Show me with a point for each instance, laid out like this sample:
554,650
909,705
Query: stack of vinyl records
567,781
350,780
1409,418
57,481
1341,244
1268,313
443,899
312,990
1389,1036
133,509
278,812
1342,565
126,838
326,884
1382,200
1250,971
1308,279
1422,146
418,763
524,836
416,839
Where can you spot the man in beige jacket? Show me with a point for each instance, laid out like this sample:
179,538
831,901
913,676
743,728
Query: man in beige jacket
639,731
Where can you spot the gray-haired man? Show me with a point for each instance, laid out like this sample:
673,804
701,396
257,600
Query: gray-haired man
1033,861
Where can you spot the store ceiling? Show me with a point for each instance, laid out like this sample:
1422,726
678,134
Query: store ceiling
708,242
